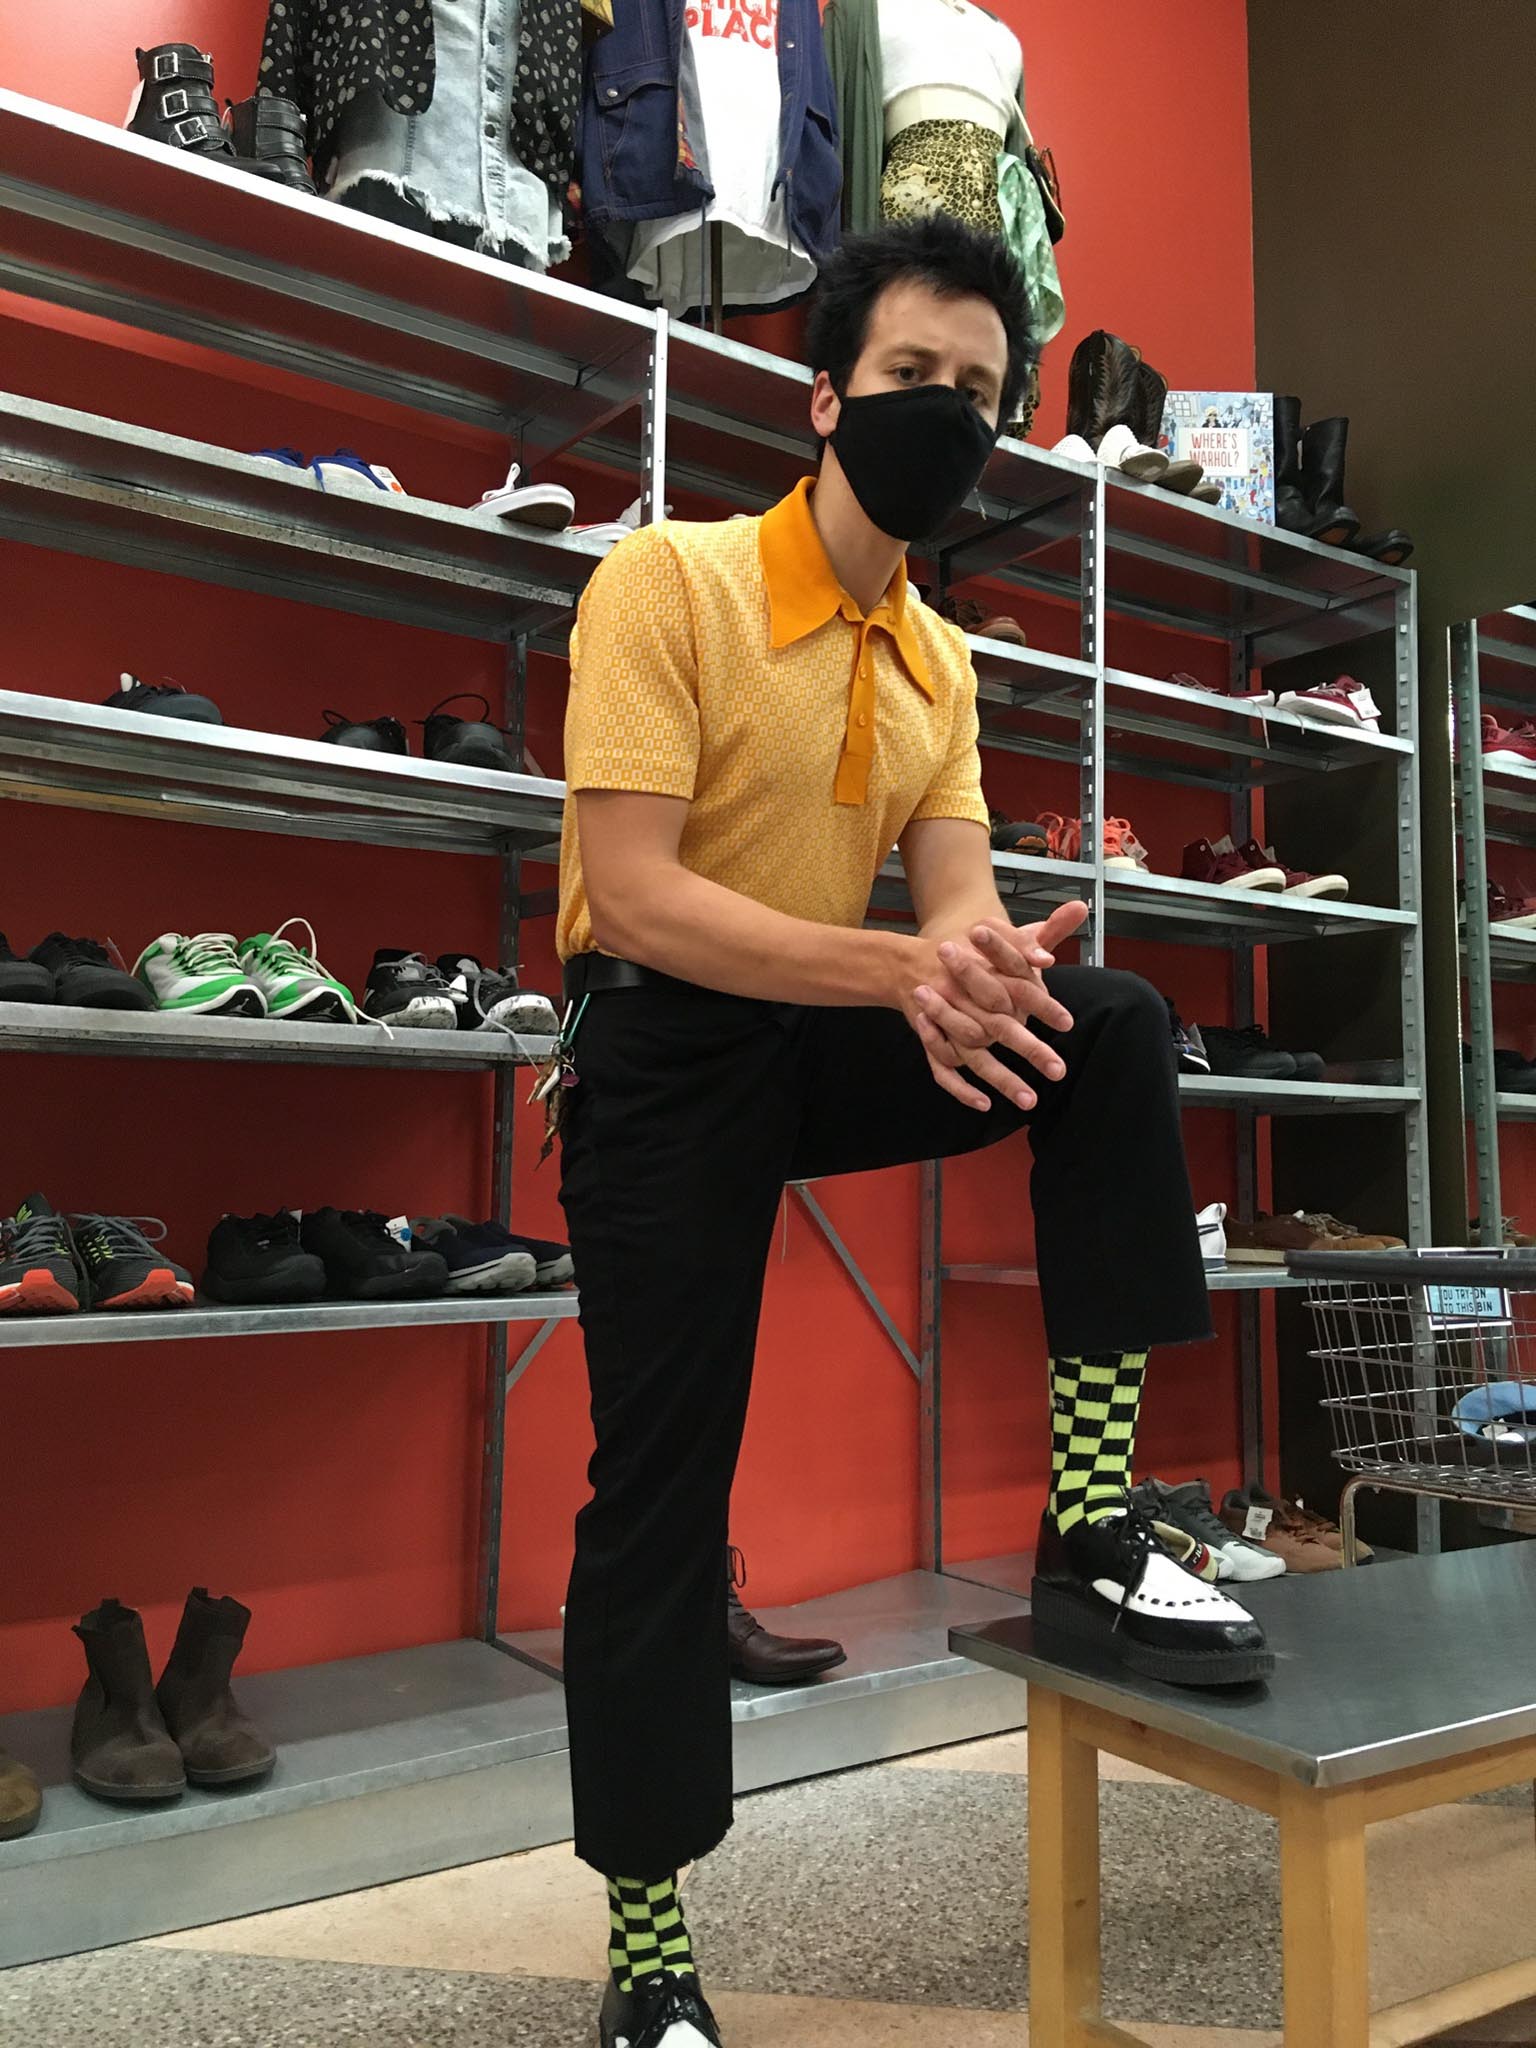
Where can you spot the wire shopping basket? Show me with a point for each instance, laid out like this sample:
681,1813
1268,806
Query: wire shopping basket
1429,1364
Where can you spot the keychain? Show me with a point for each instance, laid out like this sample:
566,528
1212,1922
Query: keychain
554,1085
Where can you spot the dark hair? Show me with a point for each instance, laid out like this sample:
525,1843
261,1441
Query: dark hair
952,259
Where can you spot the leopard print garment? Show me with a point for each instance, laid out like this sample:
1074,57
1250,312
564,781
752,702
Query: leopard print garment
951,167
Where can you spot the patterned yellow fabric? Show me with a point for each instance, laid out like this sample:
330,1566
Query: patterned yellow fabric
722,662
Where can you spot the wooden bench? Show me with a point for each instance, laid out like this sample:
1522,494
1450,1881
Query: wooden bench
1397,1687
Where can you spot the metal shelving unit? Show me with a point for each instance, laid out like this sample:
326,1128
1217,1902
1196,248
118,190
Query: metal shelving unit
1493,667
100,221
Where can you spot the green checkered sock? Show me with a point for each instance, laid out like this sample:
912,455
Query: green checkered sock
1094,1405
649,1932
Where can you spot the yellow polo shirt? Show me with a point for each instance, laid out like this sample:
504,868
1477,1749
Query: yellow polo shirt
724,663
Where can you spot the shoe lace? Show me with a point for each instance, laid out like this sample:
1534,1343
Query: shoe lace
1135,1540
37,1235
208,953
437,713
372,1220
281,956
108,1237
1198,1512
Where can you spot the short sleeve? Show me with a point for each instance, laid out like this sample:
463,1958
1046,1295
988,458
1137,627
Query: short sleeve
955,791
632,720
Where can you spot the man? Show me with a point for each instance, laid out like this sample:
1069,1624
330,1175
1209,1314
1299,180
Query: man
759,710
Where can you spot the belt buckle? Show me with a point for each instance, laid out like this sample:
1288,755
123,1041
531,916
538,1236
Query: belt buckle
174,104
165,66
195,129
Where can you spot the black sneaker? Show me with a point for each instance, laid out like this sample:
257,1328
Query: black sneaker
23,981
1160,1619
363,1262
407,992
259,1258
163,700
467,743
489,999
481,1257
552,1263
1187,1043
1189,1507
643,2018
126,1268
39,1272
83,973
1245,1053
373,735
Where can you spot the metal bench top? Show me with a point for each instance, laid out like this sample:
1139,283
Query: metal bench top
1378,1669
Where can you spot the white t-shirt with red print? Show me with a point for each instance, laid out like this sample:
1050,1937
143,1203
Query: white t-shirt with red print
735,50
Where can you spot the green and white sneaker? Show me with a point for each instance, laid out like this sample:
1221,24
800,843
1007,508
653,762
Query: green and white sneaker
199,976
291,979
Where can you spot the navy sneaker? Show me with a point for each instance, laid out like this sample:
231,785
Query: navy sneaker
552,1262
164,700
481,1257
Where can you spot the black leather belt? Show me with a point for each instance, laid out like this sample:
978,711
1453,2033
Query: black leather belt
589,972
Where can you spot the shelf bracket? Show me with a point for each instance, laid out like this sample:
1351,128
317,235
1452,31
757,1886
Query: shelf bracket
855,1272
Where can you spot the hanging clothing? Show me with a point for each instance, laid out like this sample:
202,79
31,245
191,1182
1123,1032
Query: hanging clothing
546,93
1027,232
953,44
326,54
449,172
735,64
943,167
640,151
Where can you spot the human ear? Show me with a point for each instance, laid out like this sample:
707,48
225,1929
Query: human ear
825,406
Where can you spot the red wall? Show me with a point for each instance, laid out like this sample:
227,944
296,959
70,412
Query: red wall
331,1483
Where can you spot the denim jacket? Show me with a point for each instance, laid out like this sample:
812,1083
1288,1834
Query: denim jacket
636,158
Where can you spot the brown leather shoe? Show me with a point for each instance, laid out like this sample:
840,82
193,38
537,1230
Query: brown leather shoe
764,1659
21,1799
219,1743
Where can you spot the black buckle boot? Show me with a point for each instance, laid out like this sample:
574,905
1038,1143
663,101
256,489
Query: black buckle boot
268,138
176,104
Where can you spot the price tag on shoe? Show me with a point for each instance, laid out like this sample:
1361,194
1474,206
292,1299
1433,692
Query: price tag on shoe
1256,1528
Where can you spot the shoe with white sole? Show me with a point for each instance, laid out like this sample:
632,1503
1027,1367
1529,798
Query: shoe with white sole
291,978
607,533
1218,864
489,999
1298,882
552,1262
345,470
547,505
199,976
480,1257
662,2011
1344,702
1211,1222
405,991
1121,450
1189,1507
1119,1585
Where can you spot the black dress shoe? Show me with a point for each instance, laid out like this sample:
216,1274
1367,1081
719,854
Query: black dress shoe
1135,1591
641,2018
764,1659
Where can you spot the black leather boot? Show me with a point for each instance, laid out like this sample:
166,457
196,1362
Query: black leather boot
268,137
1291,508
1322,483
176,104
1103,390
219,1744
764,1659
1147,425
120,1746
21,1799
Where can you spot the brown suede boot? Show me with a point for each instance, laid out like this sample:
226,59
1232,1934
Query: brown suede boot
119,1744
219,1744
21,1799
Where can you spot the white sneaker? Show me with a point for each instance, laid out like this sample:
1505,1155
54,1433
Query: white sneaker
1121,450
549,505
1212,1224
1345,702
347,471
607,533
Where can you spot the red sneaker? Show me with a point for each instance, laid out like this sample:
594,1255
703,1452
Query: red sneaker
1297,881
1344,702
1507,746
1222,865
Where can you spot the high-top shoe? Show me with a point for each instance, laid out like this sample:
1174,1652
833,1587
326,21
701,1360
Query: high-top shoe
762,1658
120,1745
174,103
219,1743
1147,425
1323,446
1291,508
268,138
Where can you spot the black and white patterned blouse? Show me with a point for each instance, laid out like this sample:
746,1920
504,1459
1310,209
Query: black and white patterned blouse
322,53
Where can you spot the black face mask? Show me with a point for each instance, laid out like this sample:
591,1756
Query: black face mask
911,456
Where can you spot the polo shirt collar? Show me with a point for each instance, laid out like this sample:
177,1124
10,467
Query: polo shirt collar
803,591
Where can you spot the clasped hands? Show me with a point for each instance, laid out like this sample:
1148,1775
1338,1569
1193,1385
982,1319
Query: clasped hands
981,990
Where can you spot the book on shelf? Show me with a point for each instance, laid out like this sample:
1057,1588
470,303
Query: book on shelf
1231,434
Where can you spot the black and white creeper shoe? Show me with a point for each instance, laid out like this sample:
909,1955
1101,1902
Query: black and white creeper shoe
663,2011
1136,1590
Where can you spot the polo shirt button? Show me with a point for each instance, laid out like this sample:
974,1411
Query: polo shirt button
863,718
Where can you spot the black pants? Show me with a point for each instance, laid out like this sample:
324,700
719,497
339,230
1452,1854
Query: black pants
691,1112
